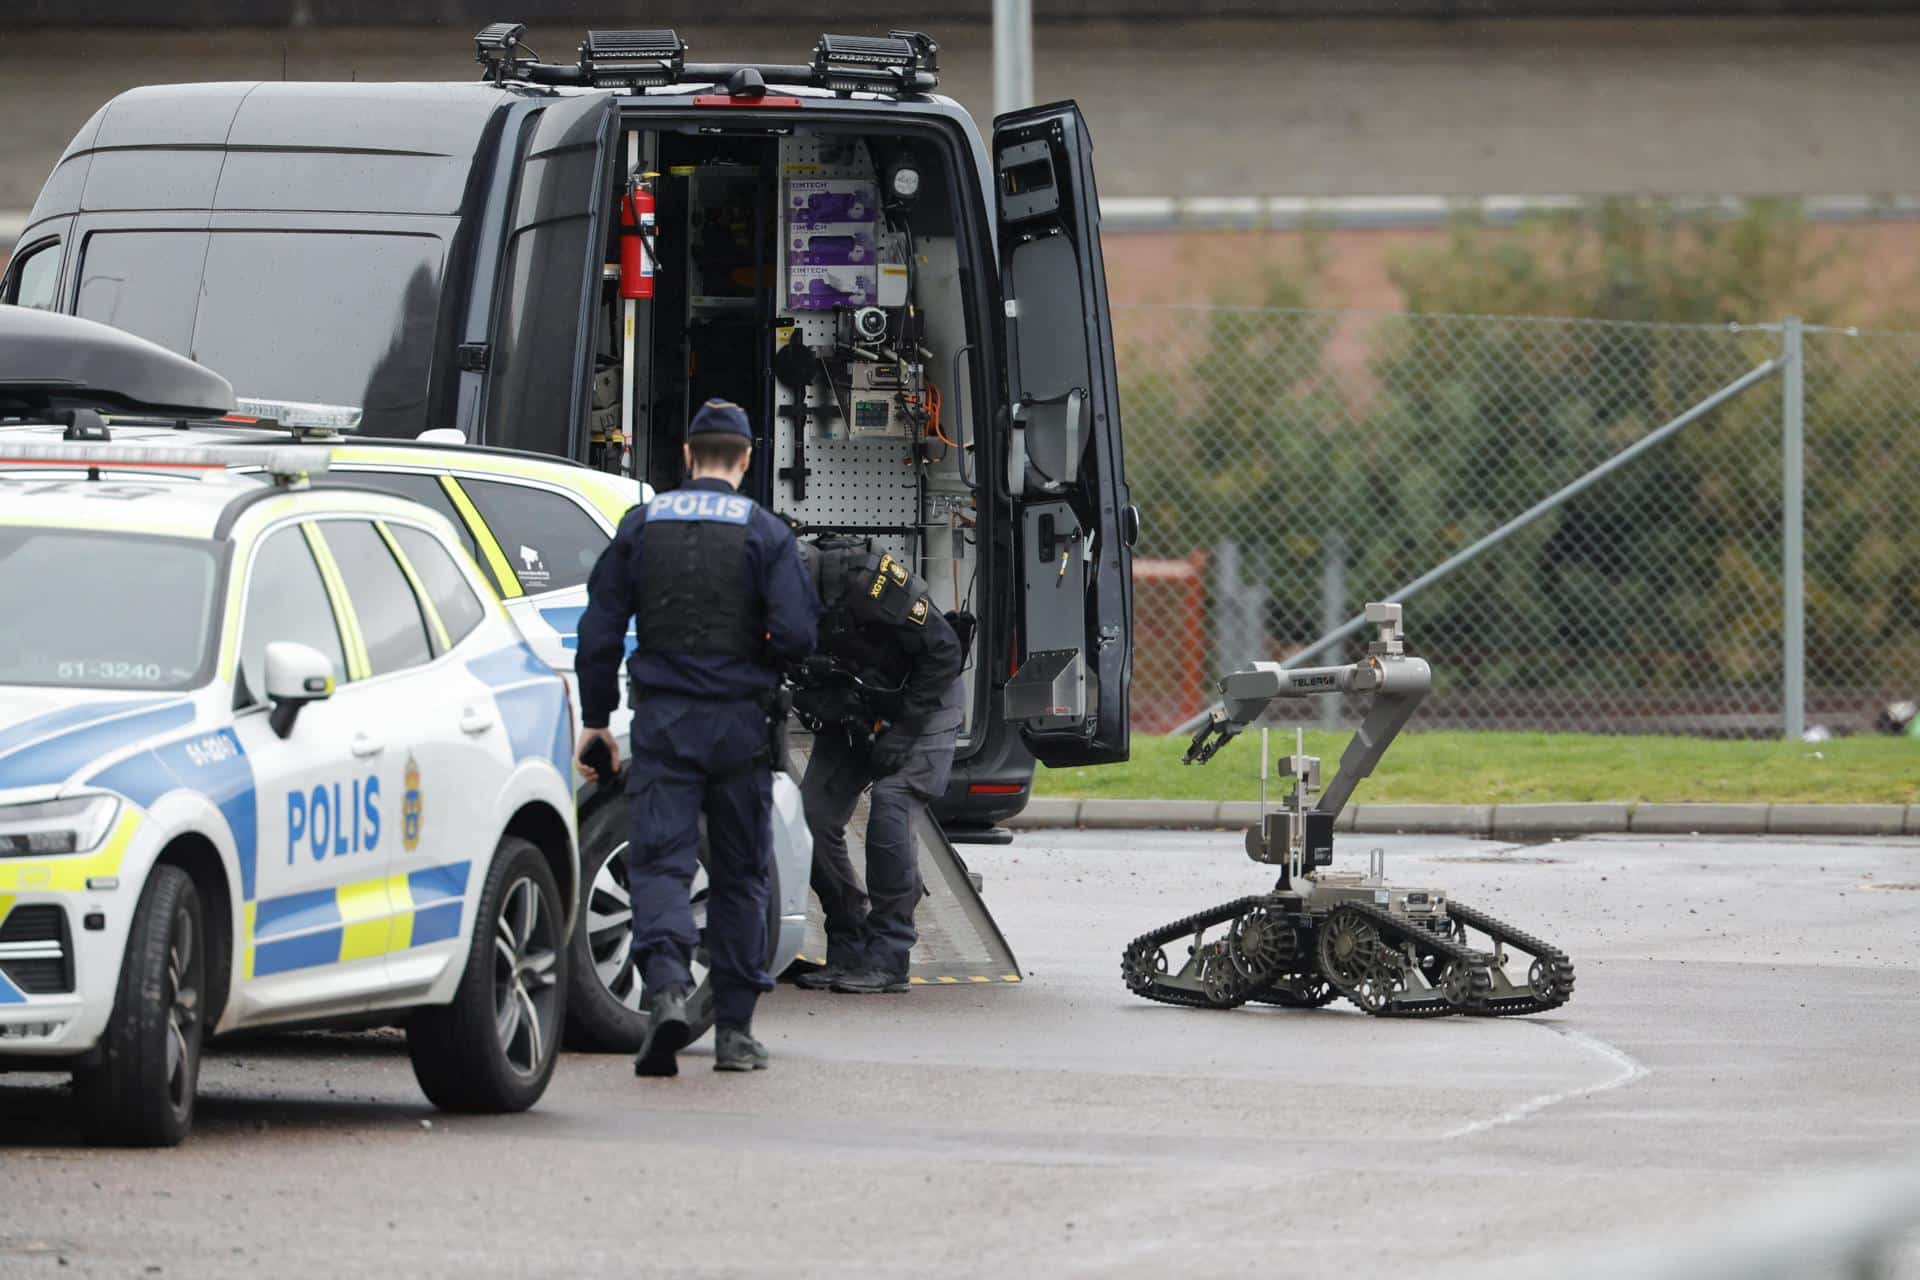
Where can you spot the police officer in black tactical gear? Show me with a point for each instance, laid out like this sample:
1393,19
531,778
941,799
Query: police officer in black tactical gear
723,604
884,699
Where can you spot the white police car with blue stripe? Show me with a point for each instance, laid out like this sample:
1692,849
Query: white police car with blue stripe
271,755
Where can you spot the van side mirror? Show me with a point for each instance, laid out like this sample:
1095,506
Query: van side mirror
296,675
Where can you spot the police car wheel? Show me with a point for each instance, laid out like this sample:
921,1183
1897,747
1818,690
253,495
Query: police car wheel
142,1092
494,1047
603,1009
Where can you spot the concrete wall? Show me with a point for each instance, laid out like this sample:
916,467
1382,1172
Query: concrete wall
282,13
1228,108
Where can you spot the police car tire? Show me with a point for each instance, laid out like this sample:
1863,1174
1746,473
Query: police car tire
125,1099
456,1051
597,1022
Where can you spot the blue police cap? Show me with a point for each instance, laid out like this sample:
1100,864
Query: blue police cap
720,418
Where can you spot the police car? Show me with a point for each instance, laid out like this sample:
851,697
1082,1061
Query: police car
271,754
536,525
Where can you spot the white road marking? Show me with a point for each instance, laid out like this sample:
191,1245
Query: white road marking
1631,1069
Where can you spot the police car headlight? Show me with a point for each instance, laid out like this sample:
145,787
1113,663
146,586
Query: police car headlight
56,826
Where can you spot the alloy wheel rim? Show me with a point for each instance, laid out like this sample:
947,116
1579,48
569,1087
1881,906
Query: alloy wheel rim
183,1010
609,926
526,990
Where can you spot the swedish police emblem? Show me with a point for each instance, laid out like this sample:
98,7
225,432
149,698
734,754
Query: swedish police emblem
411,808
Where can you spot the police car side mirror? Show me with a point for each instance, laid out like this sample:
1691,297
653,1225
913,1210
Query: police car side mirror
296,675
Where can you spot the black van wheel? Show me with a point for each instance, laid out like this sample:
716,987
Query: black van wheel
493,1049
141,1094
603,1008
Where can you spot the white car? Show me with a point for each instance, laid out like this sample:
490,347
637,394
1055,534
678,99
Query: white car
272,754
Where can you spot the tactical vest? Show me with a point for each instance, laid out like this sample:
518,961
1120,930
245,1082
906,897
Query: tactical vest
866,595
694,593
869,584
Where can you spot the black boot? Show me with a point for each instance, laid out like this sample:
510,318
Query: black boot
820,979
735,1049
867,982
666,1034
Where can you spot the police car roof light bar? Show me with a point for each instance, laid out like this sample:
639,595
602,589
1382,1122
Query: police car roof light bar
286,466
640,59
902,61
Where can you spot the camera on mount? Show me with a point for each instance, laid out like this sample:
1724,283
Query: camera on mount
869,324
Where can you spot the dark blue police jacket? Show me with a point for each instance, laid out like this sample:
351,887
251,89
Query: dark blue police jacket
774,574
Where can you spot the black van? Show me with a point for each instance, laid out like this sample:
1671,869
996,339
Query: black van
916,322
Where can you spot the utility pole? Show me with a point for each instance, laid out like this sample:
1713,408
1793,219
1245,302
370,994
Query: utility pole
1793,503
1012,55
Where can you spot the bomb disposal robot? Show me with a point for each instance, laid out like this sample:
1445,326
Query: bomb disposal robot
1393,950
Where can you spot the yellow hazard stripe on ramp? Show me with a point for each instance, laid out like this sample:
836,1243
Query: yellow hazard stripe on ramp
937,980
955,980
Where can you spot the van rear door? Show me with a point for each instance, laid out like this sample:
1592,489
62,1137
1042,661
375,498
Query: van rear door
537,360
1073,520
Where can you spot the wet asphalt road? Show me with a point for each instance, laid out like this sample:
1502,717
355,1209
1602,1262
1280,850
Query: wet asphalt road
1745,1014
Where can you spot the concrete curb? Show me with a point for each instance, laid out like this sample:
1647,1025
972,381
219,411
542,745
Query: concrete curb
1527,821
1456,819
1685,819
1837,819
1507,821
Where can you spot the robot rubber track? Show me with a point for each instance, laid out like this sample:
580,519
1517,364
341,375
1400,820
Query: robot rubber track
1550,978
1380,978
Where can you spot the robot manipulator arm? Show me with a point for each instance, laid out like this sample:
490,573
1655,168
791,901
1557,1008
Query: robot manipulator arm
1247,693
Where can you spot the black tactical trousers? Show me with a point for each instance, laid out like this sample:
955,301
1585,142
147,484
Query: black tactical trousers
873,927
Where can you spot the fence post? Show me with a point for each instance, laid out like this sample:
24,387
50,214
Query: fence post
1333,610
1226,604
1793,500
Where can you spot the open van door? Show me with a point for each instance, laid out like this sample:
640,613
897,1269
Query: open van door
538,362
1074,524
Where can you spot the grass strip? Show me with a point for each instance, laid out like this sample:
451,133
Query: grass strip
1514,768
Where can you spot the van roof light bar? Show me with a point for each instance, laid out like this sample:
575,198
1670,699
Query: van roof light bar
300,417
640,59
899,62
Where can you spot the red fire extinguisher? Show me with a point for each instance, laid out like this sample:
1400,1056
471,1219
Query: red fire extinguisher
636,238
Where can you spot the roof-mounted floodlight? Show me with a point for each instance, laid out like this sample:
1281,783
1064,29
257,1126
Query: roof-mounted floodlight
901,62
636,59
494,48
300,417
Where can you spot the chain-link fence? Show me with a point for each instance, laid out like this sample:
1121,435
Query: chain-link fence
1291,465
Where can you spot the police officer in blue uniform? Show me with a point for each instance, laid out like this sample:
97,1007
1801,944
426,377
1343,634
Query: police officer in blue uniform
723,604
